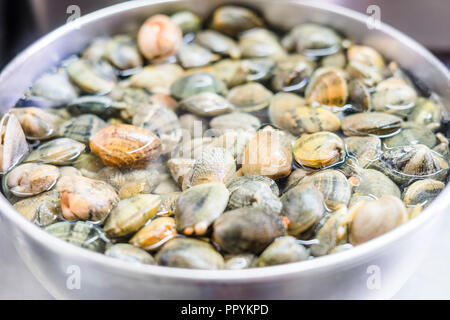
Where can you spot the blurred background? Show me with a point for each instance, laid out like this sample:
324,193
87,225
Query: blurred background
24,21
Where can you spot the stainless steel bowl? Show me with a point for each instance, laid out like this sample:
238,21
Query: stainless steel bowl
376,269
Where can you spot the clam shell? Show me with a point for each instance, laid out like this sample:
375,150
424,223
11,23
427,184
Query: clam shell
81,128
189,253
422,192
157,78
85,199
282,250
378,123
198,207
81,234
36,123
206,104
126,146
328,86
30,179
61,151
155,234
13,145
233,20
131,214
129,253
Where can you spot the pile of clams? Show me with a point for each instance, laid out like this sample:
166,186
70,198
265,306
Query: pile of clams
223,144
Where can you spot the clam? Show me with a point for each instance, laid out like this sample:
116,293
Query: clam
240,181
282,250
331,231
161,121
366,55
394,96
96,49
336,60
42,209
92,76
266,155
237,72
180,168
36,123
427,112
333,185
261,43
126,146
318,150
410,134
413,162
30,179
235,121
233,20
368,123
218,43
157,78
247,230
85,199
312,40
327,86
292,74
422,192
364,149
155,234
81,128
131,214
368,75
187,21
198,207
102,106
130,182
359,95
296,176
193,55
375,184
239,261
80,233
235,142
255,194
13,145
374,218
54,87
304,206
213,165
61,151
206,104
129,253
122,52
250,97
158,38
281,106
89,165
195,83
189,253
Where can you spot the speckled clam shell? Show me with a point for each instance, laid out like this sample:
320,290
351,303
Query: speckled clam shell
126,146
422,192
81,128
328,86
81,234
333,185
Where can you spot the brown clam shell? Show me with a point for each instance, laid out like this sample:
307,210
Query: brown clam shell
126,146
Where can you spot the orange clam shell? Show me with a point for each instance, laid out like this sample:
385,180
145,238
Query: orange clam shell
126,146
159,38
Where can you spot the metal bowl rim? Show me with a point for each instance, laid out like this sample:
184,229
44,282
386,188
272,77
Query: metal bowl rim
335,261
